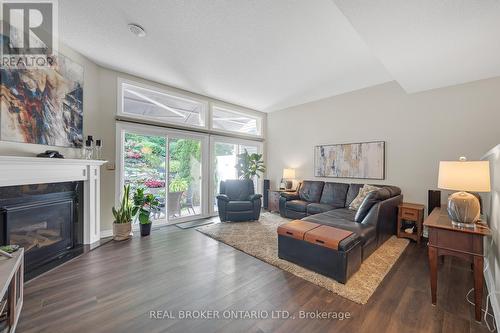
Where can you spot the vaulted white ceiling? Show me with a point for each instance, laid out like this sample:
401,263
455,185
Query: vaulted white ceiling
257,53
268,55
427,44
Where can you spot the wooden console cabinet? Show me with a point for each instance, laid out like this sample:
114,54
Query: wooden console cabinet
445,239
11,282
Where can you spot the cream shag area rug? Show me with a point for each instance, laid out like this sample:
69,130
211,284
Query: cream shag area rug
260,239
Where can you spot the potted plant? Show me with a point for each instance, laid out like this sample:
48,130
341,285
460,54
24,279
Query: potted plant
144,205
122,226
250,165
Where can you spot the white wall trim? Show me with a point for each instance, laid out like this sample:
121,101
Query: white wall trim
106,233
495,306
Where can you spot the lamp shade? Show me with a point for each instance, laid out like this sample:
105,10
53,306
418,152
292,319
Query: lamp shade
473,176
288,173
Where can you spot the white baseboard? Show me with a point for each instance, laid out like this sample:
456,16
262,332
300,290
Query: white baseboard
106,233
495,306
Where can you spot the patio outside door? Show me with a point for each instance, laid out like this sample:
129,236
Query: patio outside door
170,165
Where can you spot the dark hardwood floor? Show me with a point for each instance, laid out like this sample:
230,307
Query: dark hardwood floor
114,287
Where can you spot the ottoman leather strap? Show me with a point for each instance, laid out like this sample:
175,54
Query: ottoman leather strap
296,229
326,236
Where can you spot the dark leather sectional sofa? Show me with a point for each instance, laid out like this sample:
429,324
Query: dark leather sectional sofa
328,204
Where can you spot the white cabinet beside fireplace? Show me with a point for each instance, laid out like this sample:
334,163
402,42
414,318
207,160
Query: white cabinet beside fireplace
17,170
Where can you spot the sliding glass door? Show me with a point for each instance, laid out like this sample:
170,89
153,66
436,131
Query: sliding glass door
168,164
224,157
181,169
185,177
144,165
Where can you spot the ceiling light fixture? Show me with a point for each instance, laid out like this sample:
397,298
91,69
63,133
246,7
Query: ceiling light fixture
136,30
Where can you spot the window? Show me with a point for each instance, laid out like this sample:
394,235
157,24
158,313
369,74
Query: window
162,106
234,121
168,106
224,154
181,168
170,164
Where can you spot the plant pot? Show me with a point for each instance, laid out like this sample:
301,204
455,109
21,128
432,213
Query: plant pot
145,228
122,231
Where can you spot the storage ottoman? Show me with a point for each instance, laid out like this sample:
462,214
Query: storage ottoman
330,251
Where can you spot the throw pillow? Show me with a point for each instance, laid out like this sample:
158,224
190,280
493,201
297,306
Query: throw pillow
363,192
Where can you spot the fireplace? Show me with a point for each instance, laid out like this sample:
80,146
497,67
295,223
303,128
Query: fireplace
45,219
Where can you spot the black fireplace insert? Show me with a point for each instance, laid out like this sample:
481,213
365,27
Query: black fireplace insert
45,219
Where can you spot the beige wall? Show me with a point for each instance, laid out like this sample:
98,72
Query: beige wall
98,121
99,107
106,126
90,109
419,129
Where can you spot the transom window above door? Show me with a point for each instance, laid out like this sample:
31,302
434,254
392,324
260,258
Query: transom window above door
150,104
238,122
164,107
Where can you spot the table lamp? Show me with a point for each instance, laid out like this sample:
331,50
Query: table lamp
464,208
287,179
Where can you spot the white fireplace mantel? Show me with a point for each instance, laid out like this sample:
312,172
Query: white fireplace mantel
17,170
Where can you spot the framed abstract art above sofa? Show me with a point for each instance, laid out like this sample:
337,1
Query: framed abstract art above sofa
365,160
43,105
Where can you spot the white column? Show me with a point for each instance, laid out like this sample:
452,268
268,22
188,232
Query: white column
92,225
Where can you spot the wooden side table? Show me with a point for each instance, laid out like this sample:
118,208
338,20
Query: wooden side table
412,213
464,243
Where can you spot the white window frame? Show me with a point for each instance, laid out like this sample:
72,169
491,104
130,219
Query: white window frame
235,141
238,110
122,127
169,92
206,133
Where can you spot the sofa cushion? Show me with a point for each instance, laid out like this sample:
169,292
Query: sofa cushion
297,205
363,192
342,214
310,191
238,206
334,194
352,193
316,208
370,200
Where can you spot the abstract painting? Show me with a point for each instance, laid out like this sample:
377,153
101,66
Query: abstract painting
352,160
43,105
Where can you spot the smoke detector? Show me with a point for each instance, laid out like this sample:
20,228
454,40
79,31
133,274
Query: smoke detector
137,30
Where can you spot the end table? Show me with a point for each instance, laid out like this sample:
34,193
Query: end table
414,213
